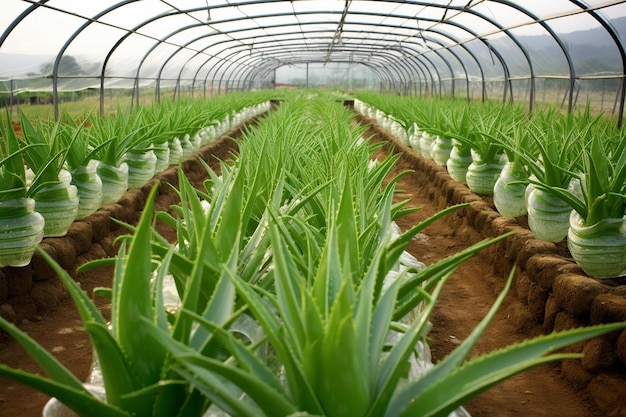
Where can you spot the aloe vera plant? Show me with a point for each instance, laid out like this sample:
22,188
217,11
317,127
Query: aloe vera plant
328,318
442,145
81,163
552,159
457,122
415,135
182,121
56,199
12,168
597,228
112,137
487,155
21,227
135,375
304,248
509,193
128,365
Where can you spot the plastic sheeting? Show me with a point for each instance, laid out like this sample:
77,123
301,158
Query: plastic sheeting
565,51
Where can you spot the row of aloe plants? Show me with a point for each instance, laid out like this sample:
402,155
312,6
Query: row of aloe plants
54,173
566,173
293,295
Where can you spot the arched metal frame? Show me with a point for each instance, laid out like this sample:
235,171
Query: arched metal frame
486,18
164,39
397,71
455,42
57,61
385,58
347,42
134,30
442,46
620,47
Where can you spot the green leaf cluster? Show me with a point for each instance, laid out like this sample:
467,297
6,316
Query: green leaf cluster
12,169
295,236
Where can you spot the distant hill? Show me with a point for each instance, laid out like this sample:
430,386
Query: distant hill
596,36
592,49
16,65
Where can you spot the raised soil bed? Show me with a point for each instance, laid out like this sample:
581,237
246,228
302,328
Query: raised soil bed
554,293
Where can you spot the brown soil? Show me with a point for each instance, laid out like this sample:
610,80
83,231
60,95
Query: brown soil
466,298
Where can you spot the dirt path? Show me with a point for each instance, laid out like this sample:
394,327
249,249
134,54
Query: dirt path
466,298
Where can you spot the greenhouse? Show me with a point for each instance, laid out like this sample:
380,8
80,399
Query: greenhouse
565,52
312,208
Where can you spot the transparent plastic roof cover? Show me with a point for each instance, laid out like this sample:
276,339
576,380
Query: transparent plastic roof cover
80,44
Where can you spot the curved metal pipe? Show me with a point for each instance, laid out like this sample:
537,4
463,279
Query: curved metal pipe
230,5
259,48
616,40
257,44
57,60
285,62
399,68
559,42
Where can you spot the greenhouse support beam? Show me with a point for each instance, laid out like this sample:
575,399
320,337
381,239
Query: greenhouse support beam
557,39
259,48
68,42
456,42
288,54
463,66
15,23
185,11
239,40
488,19
376,69
476,60
259,44
620,47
